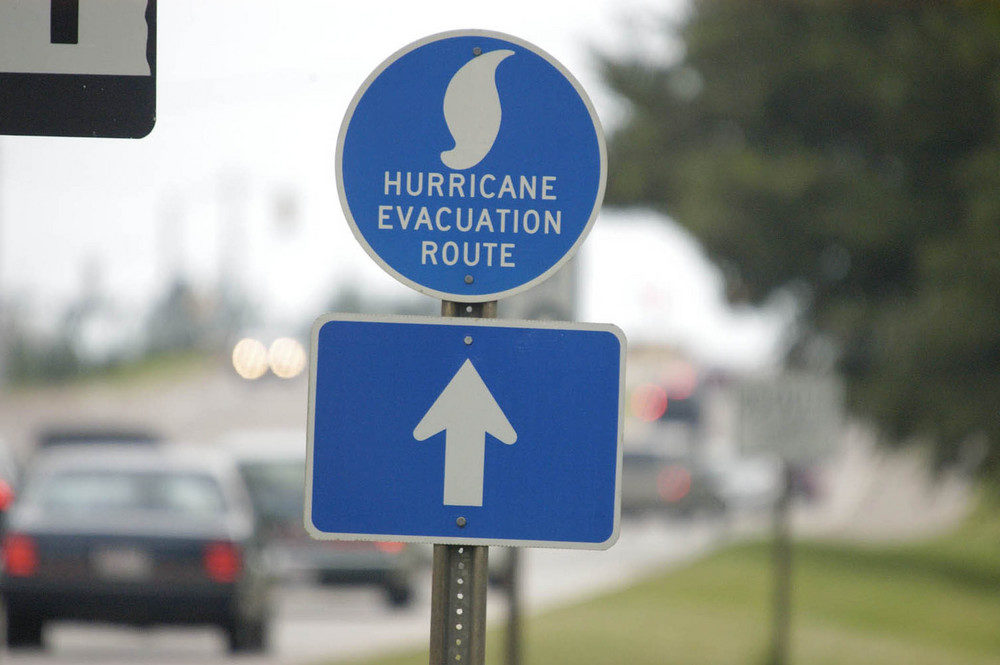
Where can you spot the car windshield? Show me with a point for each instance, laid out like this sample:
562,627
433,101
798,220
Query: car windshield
188,494
276,488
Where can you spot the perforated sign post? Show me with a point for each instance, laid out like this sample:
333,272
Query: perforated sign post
471,166
78,68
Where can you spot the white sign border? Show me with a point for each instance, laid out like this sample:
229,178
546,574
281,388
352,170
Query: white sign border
317,534
460,297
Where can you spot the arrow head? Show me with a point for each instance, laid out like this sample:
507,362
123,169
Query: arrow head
467,404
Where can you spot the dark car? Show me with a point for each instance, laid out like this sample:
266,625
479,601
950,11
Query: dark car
133,535
273,465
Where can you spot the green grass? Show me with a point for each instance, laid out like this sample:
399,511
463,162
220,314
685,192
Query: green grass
149,370
932,603
165,366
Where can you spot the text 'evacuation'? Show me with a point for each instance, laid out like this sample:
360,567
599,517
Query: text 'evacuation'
497,211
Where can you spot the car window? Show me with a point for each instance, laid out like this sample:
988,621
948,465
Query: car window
276,488
8,467
188,494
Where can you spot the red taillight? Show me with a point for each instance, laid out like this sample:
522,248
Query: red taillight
391,548
20,556
673,483
6,495
223,562
649,402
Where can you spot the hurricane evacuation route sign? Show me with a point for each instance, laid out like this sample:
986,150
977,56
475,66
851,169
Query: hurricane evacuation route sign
471,165
78,67
464,431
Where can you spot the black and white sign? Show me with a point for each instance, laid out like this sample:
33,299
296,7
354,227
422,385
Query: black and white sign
78,67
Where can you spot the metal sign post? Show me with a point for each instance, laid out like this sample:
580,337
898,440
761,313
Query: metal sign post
781,619
798,417
460,206
502,442
71,68
460,572
458,604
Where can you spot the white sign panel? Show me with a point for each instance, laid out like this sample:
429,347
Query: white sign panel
797,416
110,37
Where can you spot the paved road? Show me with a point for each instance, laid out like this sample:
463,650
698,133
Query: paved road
317,623
311,622
196,406
871,493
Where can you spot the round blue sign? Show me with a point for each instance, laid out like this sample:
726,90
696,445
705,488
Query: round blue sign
471,165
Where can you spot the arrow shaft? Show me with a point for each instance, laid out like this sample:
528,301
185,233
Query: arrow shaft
464,462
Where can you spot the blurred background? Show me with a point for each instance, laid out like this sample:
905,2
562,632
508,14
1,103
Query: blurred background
800,239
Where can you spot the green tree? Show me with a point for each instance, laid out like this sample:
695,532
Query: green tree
849,151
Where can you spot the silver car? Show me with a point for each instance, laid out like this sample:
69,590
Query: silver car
273,466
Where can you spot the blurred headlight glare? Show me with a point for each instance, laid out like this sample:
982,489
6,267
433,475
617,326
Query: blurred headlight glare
286,357
250,358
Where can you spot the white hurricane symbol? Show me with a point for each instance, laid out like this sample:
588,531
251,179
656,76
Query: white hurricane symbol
472,110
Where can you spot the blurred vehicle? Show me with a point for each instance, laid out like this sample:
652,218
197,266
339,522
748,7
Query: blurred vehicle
273,465
654,481
133,535
748,483
96,436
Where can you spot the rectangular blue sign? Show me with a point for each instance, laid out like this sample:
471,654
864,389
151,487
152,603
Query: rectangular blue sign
465,431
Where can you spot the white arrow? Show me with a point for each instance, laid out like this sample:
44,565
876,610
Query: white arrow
467,411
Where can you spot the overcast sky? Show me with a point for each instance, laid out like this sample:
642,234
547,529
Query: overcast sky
251,94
